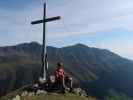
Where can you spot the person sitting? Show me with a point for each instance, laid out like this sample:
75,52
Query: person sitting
61,78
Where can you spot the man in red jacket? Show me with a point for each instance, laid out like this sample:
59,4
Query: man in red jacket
60,76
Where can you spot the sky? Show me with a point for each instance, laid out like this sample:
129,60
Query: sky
106,24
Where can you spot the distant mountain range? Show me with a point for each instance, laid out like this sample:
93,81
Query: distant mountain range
98,70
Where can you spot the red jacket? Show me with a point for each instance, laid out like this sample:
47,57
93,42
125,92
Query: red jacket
59,72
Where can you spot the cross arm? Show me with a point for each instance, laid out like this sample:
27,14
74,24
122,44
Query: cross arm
37,22
46,20
52,19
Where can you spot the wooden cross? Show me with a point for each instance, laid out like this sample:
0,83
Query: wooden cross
44,67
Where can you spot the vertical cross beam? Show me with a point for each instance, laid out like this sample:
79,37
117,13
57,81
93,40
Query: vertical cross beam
44,67
44,55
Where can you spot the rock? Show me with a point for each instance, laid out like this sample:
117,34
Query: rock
83,93
77,91
35,85
41,80
31,94
25,93
80,92
40,92
17,98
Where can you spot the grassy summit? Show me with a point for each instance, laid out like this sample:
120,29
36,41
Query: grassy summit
17,95
57,97
22,94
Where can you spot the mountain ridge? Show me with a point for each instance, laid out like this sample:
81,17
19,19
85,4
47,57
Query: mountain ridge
36,44
93,67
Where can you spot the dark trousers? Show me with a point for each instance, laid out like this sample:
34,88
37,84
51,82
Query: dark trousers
64,82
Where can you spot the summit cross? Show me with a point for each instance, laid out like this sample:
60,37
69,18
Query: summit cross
44,66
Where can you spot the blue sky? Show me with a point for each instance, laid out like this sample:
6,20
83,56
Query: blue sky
104,24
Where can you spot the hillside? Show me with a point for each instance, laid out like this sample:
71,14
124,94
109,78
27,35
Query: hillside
98,70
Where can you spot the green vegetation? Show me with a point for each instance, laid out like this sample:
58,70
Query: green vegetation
114,95
58,97
19,95
119,97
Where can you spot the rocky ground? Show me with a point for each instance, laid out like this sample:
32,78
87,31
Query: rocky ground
78,94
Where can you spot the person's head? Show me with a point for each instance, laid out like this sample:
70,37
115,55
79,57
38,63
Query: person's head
59,65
